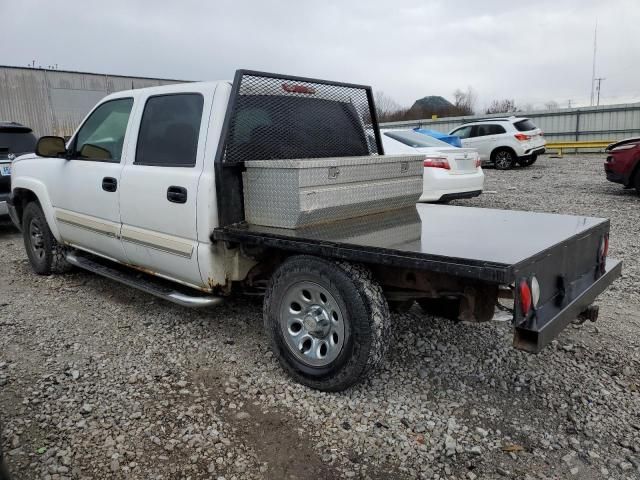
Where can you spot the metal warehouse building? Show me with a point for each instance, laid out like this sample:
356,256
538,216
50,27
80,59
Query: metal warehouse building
53,102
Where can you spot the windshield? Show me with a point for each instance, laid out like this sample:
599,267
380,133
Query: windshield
415,139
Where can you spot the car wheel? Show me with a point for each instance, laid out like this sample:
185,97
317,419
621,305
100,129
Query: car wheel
45,254
636,181
503,158
328,322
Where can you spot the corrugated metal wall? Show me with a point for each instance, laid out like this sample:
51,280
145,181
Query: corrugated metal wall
603,123
53,102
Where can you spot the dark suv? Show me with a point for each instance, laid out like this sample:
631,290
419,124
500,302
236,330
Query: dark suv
15,140
623,163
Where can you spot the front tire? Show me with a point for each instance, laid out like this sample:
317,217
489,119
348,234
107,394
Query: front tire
503,158
45,254
328,322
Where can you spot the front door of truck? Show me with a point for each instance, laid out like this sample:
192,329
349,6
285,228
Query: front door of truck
85,195
159,187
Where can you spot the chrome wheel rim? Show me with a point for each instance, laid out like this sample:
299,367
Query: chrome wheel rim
36,239
503,159
312,324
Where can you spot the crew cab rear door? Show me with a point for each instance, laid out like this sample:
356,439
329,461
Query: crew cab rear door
160,183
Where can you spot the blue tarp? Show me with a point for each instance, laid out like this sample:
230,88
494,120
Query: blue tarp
450,139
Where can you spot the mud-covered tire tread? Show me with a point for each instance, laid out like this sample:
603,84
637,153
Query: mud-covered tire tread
368,314
54,261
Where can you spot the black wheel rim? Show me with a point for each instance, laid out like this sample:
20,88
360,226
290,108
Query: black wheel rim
36,239
503,159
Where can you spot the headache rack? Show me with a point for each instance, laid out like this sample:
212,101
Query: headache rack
276,117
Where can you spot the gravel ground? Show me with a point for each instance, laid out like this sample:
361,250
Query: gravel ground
101,381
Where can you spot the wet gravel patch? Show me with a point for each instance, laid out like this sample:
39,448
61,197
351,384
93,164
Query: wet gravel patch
101,381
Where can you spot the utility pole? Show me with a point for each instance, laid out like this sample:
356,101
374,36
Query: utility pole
593,67
568,103
599,81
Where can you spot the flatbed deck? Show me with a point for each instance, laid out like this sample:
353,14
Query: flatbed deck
477,243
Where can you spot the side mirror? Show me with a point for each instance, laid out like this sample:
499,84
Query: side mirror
51,147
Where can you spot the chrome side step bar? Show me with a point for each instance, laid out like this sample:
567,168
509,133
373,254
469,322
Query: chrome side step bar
147,283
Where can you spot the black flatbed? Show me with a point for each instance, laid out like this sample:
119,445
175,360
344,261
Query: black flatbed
478,243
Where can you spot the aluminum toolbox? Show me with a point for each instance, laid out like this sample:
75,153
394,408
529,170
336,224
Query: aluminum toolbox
298,193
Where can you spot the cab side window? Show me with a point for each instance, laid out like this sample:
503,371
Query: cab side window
102,135
169,130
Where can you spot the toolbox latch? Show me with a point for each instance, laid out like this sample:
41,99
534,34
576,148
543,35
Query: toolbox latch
333,173
404,167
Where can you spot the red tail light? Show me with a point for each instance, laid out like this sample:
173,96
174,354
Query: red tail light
541,133
298,88
525,297
436,162
522,137
478,162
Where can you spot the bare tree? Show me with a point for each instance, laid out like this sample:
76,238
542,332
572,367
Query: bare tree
527,107
389,110
386,107
464,101
551,105
505,105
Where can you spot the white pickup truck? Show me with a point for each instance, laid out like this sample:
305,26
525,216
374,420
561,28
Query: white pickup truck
279,185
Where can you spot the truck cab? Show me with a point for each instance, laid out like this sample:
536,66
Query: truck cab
127,188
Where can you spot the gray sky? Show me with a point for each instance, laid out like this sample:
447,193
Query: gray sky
532,51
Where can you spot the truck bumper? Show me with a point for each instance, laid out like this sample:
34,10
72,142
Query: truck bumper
534,336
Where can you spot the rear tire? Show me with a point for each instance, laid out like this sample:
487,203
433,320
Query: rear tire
636,181
503,158
311,302
45,254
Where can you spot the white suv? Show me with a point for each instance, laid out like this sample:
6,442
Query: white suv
503,141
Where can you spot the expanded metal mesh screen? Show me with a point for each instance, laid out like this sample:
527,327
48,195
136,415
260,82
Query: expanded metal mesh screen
274,117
